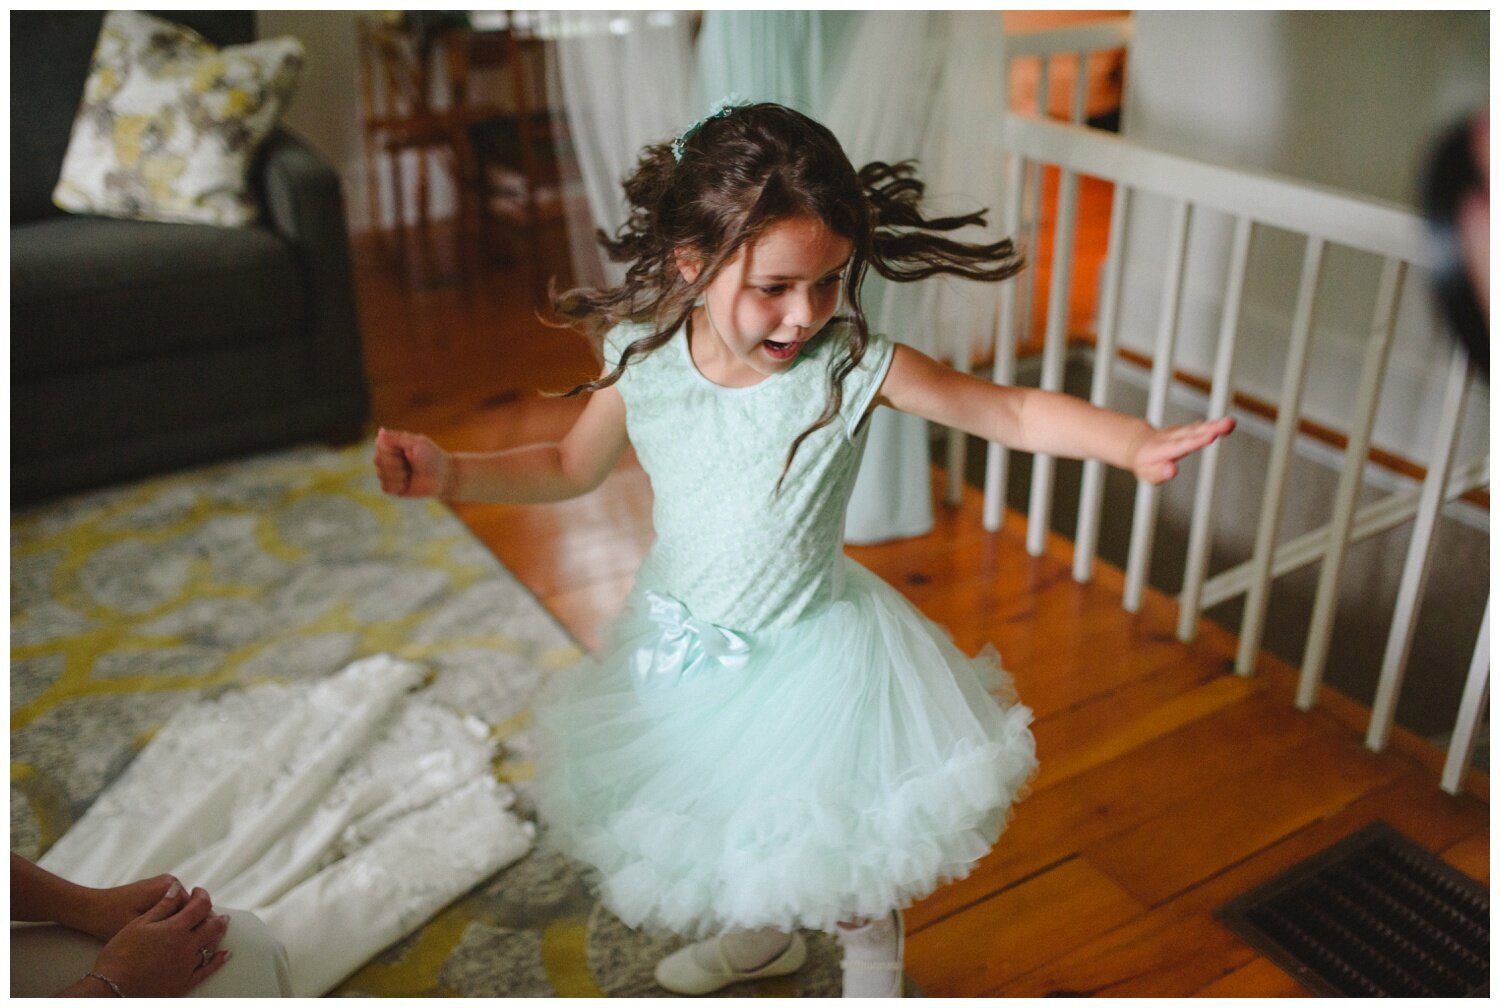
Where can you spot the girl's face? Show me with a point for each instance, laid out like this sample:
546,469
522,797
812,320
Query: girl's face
768,301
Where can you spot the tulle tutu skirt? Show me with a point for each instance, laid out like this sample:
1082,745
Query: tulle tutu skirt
843,766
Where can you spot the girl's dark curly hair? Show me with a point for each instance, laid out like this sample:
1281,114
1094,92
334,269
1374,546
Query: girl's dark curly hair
740,173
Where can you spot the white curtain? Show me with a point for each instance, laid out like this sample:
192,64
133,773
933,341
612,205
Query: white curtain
892,86
794,58
929,86
625,80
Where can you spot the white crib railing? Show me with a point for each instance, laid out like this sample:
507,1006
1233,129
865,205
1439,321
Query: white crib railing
1324,219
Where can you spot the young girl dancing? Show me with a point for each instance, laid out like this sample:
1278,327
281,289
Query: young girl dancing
773,738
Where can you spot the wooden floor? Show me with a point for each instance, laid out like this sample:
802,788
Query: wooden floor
1167,785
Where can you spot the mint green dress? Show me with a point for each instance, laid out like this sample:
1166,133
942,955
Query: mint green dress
771,736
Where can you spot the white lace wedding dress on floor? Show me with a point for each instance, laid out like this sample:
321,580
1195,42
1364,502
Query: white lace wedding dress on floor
344,813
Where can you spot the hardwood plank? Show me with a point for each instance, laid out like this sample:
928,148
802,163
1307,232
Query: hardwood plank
1068,644
1405,745
1471,855
580,557
1259,977
1065,652
554,548
1059,821
972,954
585,611
1107,726
1238,815
1177,949
990,577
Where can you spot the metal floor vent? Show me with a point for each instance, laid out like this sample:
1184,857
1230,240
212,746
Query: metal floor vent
1374,915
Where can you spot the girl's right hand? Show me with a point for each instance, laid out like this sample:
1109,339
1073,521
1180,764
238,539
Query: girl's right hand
1154,456
411,465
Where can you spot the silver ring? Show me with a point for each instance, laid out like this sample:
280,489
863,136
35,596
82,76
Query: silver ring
204,955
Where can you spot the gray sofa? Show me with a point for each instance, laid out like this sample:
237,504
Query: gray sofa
140,347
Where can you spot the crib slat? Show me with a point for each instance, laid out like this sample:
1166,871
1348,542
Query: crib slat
997,456
1220,393
963,360
1031,227
1143,521
996,462
1054,341
1035,180
955,462
1372,378
1054,353
1470,709
1288,410
1097,36
1080,87
1418,555
1091,494
1044,86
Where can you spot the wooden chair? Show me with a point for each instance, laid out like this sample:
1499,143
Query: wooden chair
515,143
500,153
398,121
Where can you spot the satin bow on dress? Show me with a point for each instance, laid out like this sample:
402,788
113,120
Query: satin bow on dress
684,646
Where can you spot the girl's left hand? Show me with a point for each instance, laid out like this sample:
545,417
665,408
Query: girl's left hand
1154,458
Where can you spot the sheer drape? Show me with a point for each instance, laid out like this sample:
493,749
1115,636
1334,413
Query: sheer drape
625,79
892,86
925,86
794,58
929,86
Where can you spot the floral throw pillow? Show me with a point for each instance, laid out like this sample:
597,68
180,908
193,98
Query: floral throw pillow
169,123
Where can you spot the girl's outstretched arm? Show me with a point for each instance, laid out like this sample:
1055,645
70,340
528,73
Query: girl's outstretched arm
1035,421
412,465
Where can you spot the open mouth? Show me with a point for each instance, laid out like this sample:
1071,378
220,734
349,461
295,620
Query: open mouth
781,351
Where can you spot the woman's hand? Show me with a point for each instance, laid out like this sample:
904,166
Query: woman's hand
107,911
1154,457
411,465
38,895
169,949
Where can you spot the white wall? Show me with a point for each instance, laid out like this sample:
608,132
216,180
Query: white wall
326,109
1347,99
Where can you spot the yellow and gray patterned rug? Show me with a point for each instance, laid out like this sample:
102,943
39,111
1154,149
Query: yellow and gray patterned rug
130,602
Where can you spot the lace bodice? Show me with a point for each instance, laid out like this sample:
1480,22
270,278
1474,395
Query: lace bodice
730,551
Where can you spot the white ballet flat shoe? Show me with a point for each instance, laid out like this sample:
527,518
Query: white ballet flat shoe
862,968
681,974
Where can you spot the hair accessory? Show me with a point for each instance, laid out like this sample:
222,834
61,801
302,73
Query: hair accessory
112,985
725,105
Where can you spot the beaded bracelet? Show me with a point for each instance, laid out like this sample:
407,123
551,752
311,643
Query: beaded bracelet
112,985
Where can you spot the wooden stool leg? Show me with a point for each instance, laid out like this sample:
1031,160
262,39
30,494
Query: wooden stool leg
398,185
